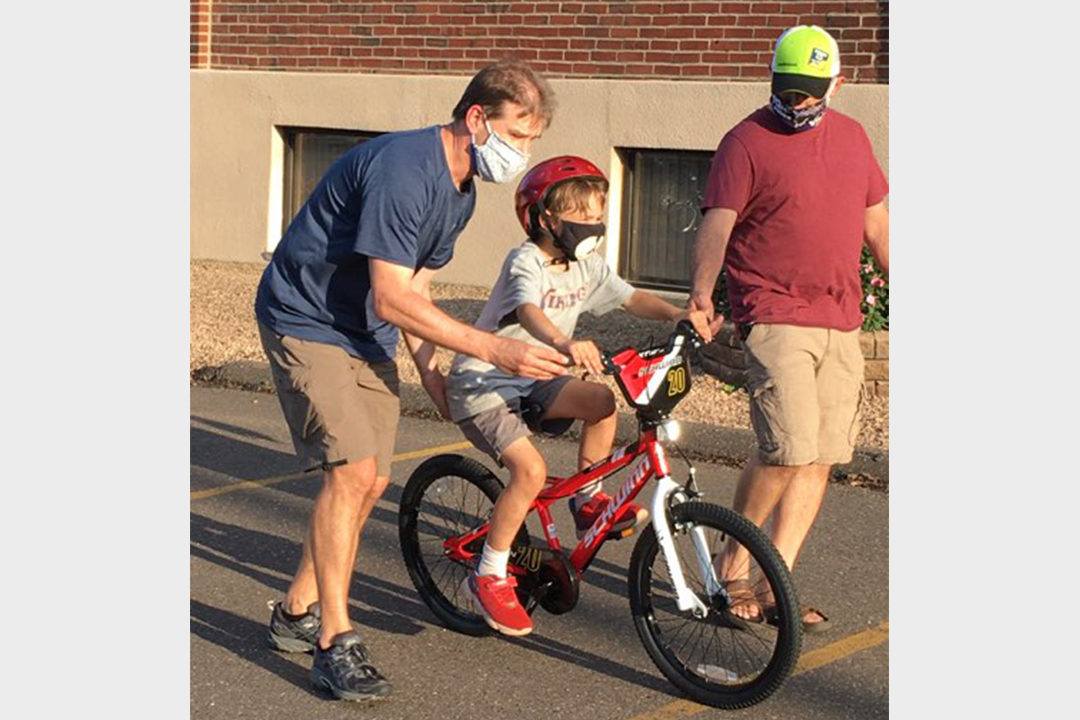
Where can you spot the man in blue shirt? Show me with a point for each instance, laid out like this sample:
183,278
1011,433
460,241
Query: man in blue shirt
353,268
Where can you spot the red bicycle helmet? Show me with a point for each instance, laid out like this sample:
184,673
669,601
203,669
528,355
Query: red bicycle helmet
537,182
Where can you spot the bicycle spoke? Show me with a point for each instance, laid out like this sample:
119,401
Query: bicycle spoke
464,495
439,533
451,524
457,588
737,641
446,569
701,627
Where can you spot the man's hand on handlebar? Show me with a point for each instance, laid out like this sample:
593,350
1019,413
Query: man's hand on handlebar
700,321
702,301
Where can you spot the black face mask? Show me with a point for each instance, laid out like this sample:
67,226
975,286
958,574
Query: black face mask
579,239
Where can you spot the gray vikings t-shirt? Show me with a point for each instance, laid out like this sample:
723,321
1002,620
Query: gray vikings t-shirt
474,386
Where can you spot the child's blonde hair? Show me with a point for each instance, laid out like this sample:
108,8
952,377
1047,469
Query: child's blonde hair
573,195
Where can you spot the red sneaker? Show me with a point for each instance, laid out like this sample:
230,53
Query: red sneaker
631,516
495,599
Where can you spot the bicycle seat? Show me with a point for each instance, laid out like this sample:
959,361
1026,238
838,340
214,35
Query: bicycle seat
532,414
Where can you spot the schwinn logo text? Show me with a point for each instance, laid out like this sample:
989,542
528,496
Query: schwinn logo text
617,501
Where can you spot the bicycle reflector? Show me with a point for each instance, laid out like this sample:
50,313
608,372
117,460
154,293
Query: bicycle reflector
669,431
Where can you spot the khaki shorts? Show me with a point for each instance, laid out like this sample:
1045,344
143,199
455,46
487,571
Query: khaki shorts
806,391
494,430
338,407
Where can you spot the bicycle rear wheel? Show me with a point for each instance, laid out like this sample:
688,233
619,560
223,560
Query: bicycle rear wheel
722,659
445,497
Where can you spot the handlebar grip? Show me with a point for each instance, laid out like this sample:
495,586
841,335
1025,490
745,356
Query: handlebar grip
610,368
686,328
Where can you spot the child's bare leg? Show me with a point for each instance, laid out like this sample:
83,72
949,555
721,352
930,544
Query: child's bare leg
597,435
595,404
492,592
527,474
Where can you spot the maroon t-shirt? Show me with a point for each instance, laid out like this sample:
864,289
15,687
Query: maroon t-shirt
801,200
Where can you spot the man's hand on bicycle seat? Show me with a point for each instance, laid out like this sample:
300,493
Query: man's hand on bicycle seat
583,353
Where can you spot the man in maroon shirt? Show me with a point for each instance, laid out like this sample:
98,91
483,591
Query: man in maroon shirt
793,193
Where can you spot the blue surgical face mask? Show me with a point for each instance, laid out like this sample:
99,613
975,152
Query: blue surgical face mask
497,160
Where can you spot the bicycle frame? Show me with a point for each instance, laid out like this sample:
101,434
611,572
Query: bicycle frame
653,463
653,381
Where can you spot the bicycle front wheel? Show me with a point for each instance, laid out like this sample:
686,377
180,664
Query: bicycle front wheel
749,639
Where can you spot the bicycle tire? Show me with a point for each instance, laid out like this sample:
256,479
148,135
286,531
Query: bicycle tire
451,609
733,692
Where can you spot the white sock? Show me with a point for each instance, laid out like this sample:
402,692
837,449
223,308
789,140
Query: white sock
585,494
493,562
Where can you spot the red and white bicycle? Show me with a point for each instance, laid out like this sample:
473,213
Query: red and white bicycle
688,617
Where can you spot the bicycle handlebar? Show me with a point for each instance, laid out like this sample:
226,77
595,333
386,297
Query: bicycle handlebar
683,328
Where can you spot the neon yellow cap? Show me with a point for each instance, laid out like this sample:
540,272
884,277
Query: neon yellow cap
806,50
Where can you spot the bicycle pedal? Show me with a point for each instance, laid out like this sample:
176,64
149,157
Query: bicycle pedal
620,534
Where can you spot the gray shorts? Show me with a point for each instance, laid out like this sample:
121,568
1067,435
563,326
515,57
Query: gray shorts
494,430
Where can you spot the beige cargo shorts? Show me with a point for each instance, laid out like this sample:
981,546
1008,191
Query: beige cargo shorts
339,408
806,393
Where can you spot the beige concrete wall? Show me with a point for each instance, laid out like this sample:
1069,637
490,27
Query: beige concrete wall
236,149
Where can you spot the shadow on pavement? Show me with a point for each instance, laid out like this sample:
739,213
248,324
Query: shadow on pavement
237,459
247,640
242,551
596,663
234,429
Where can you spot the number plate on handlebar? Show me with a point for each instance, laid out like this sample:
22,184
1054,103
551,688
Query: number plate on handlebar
654,380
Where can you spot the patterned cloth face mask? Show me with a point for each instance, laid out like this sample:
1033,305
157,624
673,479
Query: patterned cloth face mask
497,160
799,120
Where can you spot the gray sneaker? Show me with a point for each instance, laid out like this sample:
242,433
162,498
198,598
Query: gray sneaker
345,670
295,635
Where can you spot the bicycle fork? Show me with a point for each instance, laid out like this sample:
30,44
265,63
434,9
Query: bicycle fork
686,599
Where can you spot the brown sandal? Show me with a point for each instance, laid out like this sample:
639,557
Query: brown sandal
741,592
807,627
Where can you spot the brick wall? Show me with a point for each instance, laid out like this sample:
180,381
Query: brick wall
623,39
200,33
875,349
724,359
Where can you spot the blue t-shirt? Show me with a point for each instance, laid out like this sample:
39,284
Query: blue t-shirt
390,198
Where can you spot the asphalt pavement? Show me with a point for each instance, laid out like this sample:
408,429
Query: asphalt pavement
249,508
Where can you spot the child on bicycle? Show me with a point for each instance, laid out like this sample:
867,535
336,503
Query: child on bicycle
544,285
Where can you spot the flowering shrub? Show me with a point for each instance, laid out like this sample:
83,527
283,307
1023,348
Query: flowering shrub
875,302
875,291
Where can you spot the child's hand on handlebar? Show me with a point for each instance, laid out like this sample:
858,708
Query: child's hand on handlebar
584,353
